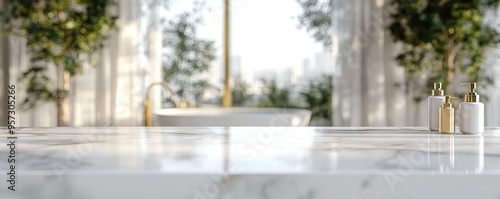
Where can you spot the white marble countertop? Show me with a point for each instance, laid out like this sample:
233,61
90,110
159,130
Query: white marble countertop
188,158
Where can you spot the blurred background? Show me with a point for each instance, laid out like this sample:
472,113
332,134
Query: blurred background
351,63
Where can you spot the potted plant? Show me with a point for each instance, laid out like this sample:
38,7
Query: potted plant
276,96
187,60
442,39
317,97
62,34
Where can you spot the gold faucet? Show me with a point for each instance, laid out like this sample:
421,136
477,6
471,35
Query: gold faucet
147,105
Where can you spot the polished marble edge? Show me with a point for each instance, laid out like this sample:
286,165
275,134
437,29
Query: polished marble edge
258,186
270,173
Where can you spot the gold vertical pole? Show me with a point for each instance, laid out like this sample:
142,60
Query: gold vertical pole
227,98
147,112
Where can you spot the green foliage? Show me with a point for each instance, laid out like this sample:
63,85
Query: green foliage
37,84
442,38
275,96
188,58
62,33
317,20
318,97
240,93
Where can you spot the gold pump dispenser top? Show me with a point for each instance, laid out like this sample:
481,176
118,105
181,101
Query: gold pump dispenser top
447,116
438,91
472,95
447,101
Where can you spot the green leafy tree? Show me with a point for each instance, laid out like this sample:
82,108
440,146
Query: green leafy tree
240,92
62,33
275,96
317,97
441,39
316,18
188,58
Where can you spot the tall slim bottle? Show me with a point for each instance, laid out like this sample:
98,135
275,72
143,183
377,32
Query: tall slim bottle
434,102
447,116
471,112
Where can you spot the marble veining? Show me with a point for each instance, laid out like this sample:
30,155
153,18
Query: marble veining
249,162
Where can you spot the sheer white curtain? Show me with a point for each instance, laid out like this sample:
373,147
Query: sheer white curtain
110,94
364,91
364,86
492,106
492,63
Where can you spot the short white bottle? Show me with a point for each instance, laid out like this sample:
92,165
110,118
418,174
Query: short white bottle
434,102
471,112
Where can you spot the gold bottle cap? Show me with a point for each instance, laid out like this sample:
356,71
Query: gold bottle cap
472,95
438,91
447,101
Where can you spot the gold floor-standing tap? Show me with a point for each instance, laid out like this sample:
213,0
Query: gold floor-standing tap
147,103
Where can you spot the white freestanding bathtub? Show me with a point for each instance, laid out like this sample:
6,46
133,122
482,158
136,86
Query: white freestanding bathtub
231,117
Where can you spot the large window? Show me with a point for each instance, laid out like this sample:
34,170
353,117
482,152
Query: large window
267,48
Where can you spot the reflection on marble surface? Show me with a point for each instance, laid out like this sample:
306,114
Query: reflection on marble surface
250,162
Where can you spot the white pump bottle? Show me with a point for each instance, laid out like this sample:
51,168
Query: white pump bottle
434,102
471,112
